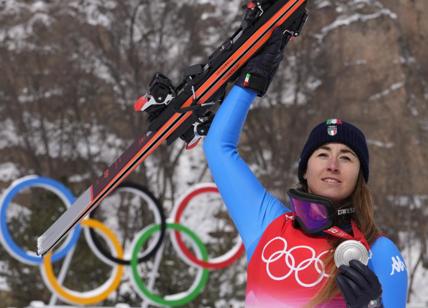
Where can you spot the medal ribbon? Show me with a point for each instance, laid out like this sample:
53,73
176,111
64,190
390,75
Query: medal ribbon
358,235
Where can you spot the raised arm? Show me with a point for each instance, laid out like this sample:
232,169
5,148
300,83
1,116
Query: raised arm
251,207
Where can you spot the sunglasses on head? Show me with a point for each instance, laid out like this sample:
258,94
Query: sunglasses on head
315,213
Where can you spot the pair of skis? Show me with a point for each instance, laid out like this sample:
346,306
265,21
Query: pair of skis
184,111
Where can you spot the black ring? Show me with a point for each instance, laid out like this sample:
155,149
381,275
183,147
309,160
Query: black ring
106,253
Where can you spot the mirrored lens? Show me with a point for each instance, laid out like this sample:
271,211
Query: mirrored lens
313,215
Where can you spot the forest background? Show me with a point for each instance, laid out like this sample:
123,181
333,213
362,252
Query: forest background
71,70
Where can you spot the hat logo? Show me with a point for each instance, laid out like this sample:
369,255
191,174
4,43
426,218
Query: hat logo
333,121
332,130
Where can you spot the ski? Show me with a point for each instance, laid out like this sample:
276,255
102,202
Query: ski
184,111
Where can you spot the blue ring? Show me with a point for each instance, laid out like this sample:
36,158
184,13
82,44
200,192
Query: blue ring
60,190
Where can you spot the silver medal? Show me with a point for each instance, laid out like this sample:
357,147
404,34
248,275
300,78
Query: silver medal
350,250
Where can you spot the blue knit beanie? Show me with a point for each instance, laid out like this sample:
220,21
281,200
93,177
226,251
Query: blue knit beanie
336,131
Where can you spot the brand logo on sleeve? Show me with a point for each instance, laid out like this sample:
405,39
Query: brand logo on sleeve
397,265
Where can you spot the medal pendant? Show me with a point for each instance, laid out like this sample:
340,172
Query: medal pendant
350,250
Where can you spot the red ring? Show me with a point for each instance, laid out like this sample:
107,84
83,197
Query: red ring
205,264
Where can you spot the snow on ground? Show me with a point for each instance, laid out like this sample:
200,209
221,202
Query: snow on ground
322,4
8,136
413,201
356,62
3,285
380,144
8,172
394,87
424,124
190,166
94,10
348,16
105,147
420,296
14,36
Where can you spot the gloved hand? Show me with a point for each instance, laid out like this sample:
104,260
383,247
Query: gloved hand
260,69
359,285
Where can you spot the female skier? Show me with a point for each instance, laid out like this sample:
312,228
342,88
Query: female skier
290,247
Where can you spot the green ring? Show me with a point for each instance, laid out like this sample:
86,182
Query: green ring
142,239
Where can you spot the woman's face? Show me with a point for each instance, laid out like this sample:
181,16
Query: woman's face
332,171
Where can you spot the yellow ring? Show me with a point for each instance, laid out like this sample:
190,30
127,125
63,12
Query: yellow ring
66,294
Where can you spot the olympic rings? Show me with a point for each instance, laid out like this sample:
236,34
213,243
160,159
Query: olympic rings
216,263
184,297
156,208
286,255
17,186
90,297
201,260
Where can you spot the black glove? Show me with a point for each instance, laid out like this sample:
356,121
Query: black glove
359,285
260,69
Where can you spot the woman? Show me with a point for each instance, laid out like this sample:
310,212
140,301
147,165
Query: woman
290,248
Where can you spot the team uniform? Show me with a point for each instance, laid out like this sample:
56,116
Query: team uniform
285,266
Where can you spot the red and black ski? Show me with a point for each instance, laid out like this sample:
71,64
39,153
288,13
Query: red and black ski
176,114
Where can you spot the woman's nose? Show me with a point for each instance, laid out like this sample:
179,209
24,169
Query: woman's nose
332,165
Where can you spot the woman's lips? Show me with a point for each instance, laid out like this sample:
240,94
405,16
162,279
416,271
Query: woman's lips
331,180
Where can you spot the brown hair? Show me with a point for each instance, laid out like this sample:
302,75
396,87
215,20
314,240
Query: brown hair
362,201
